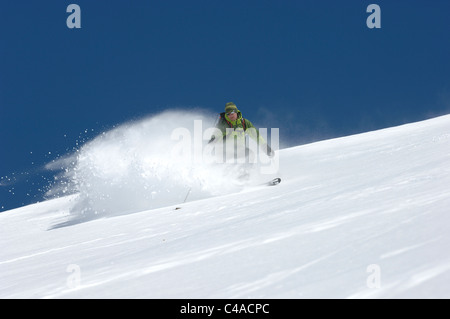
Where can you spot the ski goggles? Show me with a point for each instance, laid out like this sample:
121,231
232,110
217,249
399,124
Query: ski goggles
232,112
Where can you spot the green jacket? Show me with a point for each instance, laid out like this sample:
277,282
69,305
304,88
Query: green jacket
238,128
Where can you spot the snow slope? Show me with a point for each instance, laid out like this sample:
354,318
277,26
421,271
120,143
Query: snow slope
364,216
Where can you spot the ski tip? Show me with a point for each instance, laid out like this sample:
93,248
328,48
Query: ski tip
275,181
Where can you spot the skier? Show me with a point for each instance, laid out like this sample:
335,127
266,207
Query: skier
233,125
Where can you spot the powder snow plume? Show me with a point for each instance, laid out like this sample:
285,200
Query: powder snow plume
136,167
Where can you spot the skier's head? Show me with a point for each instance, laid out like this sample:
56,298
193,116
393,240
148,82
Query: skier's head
231,111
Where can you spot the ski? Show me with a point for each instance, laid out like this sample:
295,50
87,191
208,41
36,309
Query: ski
275,181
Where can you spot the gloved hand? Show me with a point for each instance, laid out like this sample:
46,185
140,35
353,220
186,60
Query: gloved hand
270,152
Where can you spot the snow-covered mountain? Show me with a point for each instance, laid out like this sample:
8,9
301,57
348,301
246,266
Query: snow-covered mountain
365,216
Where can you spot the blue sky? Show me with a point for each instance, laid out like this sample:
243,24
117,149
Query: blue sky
312,68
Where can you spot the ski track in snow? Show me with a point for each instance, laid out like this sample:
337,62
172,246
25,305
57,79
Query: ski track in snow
379,198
